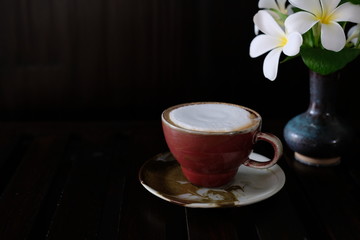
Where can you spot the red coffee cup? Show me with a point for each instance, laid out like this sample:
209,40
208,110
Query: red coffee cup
210,157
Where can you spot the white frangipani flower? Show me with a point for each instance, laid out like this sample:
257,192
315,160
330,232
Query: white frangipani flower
275,40
327,14
279,5
314,29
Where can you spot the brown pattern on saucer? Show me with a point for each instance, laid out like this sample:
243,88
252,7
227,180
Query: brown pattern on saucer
162,176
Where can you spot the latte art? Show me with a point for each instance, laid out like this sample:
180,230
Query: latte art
211,117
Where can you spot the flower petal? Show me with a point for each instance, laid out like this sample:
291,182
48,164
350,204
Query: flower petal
353,34
267,4
347,12
293,45
281,5
300,22
267,24
271,63
354,30
329,5
262,44
273,4
312,6
332,36
256,30
289,9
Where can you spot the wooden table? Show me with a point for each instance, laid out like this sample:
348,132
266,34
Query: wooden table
79,180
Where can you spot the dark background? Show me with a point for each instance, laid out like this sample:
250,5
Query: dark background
130,59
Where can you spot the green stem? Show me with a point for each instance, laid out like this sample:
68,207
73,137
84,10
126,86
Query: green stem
316,33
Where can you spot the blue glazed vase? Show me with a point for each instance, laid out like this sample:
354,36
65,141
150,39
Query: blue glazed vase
319,136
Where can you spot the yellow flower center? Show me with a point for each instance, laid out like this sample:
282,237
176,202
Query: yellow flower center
325,18
283,41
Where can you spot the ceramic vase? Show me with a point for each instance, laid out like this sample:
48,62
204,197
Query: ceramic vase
319,136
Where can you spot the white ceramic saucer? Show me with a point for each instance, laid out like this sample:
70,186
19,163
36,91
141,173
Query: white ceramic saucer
162,176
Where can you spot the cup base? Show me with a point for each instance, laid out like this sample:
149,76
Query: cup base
317,161
212,180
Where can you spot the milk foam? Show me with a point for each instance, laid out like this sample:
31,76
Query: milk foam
210,117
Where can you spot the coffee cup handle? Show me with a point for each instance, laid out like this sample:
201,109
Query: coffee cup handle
275,143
